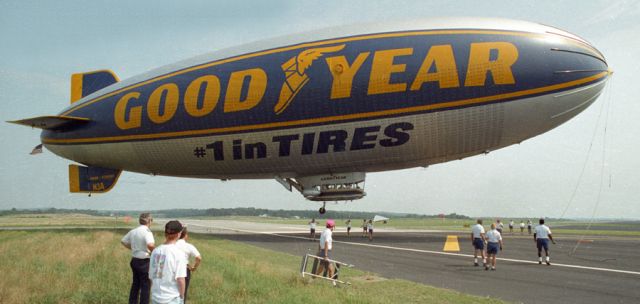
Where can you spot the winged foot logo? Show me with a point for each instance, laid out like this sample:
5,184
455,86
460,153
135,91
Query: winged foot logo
294,70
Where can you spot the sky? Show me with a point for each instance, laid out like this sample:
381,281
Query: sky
586,168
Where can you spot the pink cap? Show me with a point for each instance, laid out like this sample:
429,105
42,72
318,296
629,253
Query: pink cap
331,223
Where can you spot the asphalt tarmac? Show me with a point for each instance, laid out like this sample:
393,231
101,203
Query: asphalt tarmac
590,270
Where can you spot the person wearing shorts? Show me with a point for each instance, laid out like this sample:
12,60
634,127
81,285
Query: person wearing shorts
312,229
324,249
349,228
478,240
370,229
494,245
541,236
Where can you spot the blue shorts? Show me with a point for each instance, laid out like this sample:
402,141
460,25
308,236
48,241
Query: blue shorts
478,243
493,248
543,243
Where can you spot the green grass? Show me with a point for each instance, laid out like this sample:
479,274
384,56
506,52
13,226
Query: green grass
64,220
82,266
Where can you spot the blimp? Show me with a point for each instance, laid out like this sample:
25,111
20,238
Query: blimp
319,110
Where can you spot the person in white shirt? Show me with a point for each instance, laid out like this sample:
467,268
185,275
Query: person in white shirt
312,229
511,226
494,244
364,228
324,249
370,229
478,240
499,226
140,241
190,252
521,227
348,228
168,268
541,236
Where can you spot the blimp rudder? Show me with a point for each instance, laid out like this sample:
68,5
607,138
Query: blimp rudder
92,179
83,84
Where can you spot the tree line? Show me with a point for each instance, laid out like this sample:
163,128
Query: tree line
181,213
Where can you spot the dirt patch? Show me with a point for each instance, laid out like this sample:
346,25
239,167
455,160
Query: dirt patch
368,278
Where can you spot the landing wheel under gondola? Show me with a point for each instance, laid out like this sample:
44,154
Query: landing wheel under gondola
322,210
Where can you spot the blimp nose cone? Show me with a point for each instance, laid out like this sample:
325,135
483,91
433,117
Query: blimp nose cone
582,70
575,74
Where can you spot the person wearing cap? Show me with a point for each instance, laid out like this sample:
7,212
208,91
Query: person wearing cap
541,236
324,249
140,241
494,244
190,252
168,268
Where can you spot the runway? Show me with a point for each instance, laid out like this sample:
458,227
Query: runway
598,270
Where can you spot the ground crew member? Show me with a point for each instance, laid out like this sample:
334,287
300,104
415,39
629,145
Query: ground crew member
140,241
312,229
478,240
324,250
168,268
541,236
494,244
499,226
370,228
190,252
364,228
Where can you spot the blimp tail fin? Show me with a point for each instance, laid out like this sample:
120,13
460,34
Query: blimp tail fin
83,84
92,179
52,122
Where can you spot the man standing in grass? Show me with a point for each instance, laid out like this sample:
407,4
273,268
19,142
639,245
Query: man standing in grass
190,252
324,249
541,236
140,241
168,268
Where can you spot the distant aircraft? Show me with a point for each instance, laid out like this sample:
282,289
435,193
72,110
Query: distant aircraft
319,110
380,218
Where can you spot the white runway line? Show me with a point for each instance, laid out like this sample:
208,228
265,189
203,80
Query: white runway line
427,251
